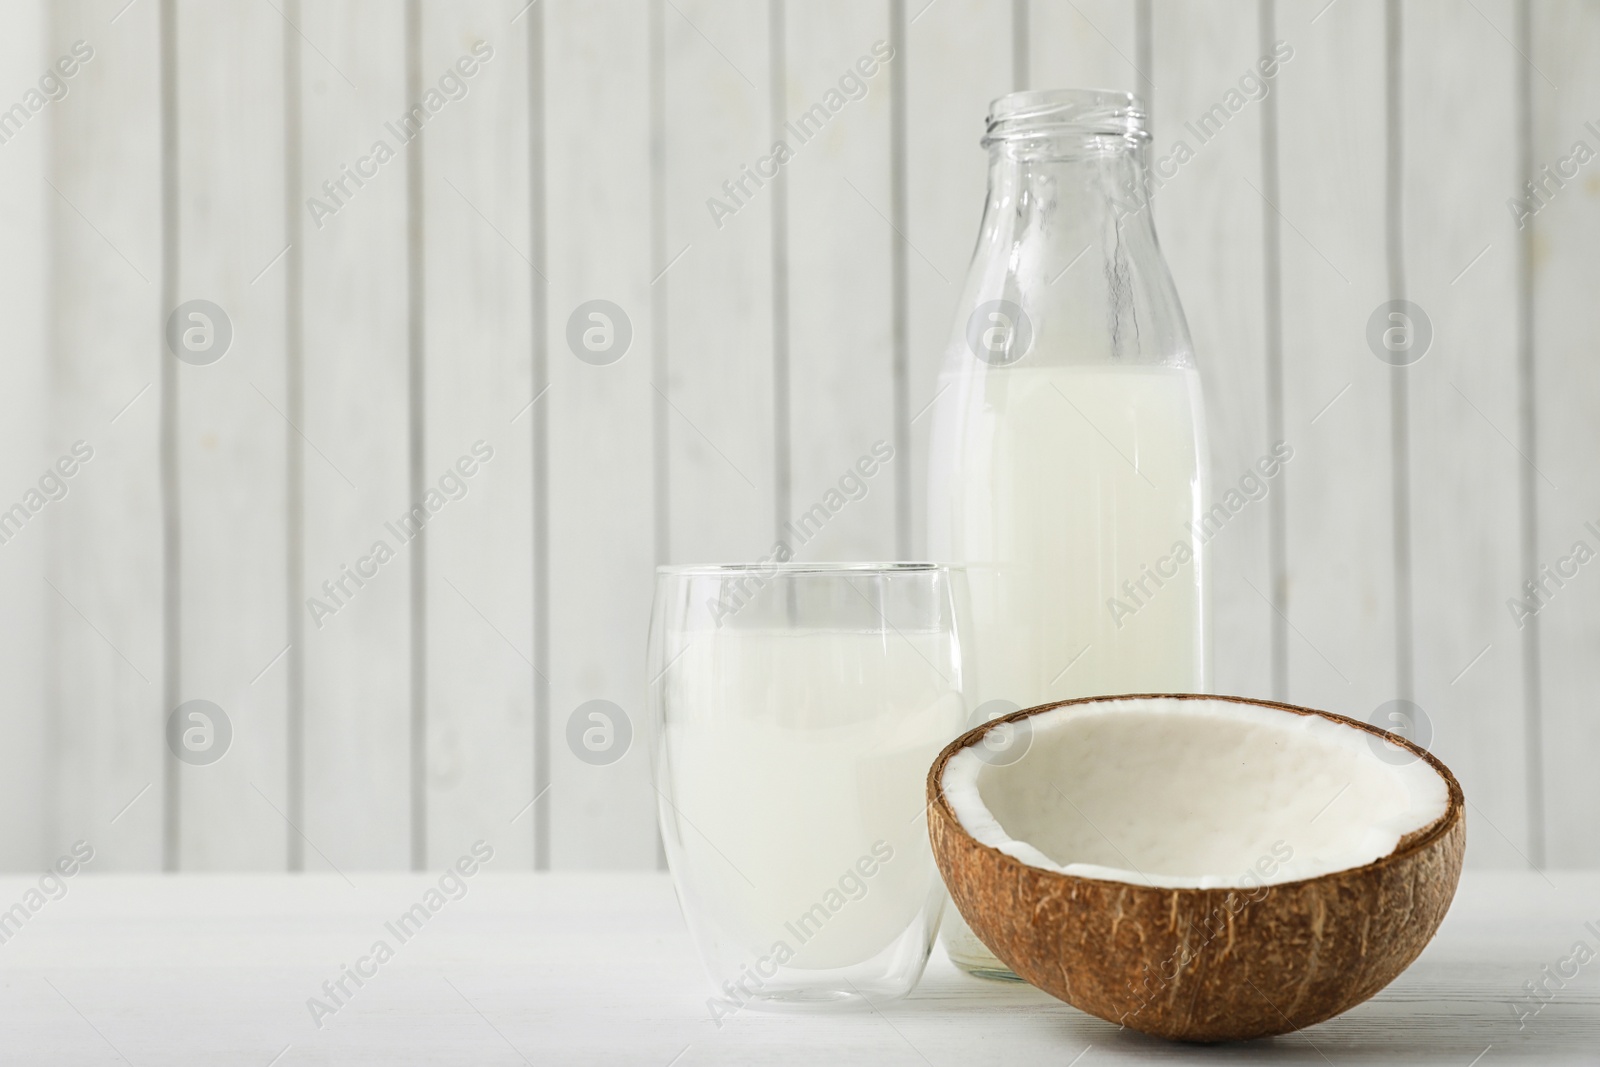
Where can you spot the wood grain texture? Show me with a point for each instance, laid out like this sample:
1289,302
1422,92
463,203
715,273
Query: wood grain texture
479,984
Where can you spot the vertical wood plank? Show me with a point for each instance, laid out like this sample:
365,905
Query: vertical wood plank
230,439
958,58
1210,225
1457,123
1566,392
27,448
539,296
357,696
841,388
600,403
480,598
1338,487
720,386
105,219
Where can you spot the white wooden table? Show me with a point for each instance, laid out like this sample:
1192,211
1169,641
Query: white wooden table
597,968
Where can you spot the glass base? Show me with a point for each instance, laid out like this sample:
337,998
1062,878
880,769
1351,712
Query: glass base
992,969
804,1000
970,954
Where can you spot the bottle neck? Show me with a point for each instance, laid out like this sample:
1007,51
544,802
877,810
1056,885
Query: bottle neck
1068,177
1068,237
1067,269
1081,190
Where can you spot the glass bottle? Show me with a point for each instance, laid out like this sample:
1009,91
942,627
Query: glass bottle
1068,449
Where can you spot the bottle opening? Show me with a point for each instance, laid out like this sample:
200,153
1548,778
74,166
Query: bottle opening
1085,114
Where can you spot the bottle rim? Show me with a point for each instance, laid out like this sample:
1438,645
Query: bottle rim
1082,113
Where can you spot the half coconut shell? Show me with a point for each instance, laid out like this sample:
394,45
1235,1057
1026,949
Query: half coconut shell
1204,964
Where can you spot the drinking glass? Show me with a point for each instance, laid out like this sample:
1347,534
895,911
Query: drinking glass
796,710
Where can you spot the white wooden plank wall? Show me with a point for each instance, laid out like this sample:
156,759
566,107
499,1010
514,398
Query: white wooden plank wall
229,442
571,154
1463,396
1210,223
840,241
1338,489
1560,383
958,56
26,448
479,377
105,566
601,441
356,809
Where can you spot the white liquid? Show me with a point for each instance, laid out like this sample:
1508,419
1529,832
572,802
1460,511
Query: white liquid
791,755
1057,485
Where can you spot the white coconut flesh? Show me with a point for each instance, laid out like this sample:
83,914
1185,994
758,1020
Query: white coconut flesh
1199,794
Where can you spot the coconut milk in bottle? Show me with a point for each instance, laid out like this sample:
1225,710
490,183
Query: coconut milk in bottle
1068,446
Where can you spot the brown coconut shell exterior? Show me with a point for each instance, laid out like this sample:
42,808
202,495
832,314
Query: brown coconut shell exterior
1205,965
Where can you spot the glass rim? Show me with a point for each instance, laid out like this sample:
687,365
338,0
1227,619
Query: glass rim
1088,113
806,569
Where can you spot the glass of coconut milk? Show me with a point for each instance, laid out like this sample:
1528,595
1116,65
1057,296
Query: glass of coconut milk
797,708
